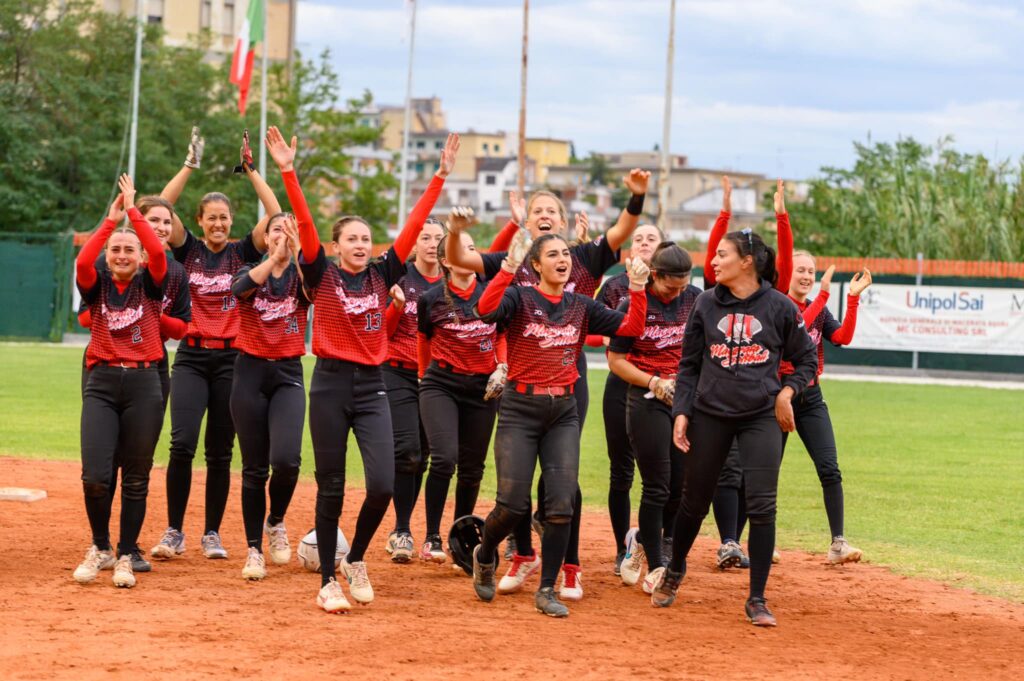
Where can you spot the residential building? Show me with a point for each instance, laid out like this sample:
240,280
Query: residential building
476,145
546,152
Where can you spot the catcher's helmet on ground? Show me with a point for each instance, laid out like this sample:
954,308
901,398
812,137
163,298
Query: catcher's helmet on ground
466,533
310,559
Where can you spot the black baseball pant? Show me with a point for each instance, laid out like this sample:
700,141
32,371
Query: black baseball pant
621,461
814,425
410,441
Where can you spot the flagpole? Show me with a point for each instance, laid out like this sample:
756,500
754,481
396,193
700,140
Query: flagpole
666,170
136,78
263,112
403,179
521,160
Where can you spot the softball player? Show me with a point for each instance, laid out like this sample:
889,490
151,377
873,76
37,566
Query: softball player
122,401
347,390
728,387
648,364
545,214
268,397
538,416
205,359
810,412
463,364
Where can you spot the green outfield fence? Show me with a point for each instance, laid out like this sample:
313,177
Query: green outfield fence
35,285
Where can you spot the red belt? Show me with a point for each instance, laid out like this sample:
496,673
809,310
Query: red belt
127,365
398,364
452,368
208,343
532,389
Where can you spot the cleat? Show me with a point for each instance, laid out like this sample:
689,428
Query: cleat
633,561
332,599
729,555
171,544
841,552
510,547
759,614
617,570
572,583
124,578
95,560
212,546
744,560
255,565
358,581
403,548
664,593
776,557
547,603
653,579
519,570
139,563
483,577
389,545
280,548
432,550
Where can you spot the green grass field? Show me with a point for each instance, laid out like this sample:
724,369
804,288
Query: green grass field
934,475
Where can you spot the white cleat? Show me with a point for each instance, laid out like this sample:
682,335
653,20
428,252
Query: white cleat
124,576
332,598
653,579
841,552
519,570
358,581
255,566
277,537
95,560
633,562
572,583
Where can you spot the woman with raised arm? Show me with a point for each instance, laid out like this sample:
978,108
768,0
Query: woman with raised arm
347,390
400,369
648,364
728,387
538,418
810,413
122,402
205,360
544,214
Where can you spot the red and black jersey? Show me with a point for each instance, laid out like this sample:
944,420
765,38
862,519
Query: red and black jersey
402,344
272,319
348,313
825,327
177,301
214,307
545,338
657,350
125,324
614,290
458,337
590,261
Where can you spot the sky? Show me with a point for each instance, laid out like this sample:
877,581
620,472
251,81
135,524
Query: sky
780,87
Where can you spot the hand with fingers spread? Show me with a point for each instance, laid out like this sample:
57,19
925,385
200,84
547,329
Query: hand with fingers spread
780,197
496,382
397,295
517,205
196,143
826,279
517,251
582,227
460,219
448,154
679,433
245,156
282,152
859,282
638,272
726,194
127,188
637,180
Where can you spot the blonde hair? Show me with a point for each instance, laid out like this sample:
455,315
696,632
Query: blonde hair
543,192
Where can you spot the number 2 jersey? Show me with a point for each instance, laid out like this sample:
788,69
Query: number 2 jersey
125,323
272,320
214,307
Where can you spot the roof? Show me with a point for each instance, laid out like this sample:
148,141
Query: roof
494,163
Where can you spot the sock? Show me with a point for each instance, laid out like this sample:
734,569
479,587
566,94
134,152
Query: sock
405,500
435,496
280,490
218,485
726,508
619,510
370,517
133,512
523,536
497,526
834,508
556,539
328,510
466,494
254,506
179,484
97,508
572,550
650,528
760,545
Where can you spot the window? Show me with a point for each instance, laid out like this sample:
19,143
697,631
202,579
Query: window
491,179
488,206
228,23
485,147
155,11
497,148
205,9
420,144
438,144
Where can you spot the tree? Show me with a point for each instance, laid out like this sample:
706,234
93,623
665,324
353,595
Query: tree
904,198
599,170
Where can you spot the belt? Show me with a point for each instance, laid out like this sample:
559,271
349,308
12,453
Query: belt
398,364
532,389
127,365
270,359
441,364
208,343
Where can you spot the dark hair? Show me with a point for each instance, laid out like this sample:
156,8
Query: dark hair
534,255
276,216
747,242
446,274
344,220
148,203
670,261
210,198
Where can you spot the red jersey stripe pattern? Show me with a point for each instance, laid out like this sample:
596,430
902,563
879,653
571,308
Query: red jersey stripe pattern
272,321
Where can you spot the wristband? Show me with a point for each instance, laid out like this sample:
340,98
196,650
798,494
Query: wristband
636,204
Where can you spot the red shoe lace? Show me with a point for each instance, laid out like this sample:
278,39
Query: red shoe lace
570,572
518,560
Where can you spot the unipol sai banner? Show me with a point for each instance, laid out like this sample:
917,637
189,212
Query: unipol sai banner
972,320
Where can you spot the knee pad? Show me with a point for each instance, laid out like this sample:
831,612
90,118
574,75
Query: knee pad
330,485
96,489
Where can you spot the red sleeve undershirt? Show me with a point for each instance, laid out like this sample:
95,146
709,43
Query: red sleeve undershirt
812,311
491,297
717,232
420,212
85,263
392,316
784,258
422,352
172,327
151,243
85,318
503,239
633,324
308,237
594,340
844,334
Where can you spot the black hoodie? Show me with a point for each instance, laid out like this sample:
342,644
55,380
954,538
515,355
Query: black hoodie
731,353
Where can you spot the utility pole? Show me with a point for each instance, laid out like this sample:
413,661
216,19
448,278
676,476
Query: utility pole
260,210
403,179
666,131
136,78
521,161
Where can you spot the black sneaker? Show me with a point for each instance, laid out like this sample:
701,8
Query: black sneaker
618,563
140,564
483,577
547,603
510,547
759,614
665,594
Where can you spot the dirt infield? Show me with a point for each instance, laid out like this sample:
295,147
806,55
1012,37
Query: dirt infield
192,618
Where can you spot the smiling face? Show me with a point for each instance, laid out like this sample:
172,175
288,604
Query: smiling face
544,215
553,263
123,255
426,244
645,240
354,245
803,276
215,220
159,218
728,266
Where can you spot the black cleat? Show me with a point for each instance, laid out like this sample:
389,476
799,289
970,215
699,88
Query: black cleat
759,614
547,603
664,594
483,577
140,564
729,555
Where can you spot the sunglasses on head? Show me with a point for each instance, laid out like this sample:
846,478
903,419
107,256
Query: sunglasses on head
749,233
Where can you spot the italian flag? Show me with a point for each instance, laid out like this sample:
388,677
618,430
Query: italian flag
245,51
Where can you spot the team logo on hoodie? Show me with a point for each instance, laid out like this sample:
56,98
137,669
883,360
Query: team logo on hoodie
739,347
